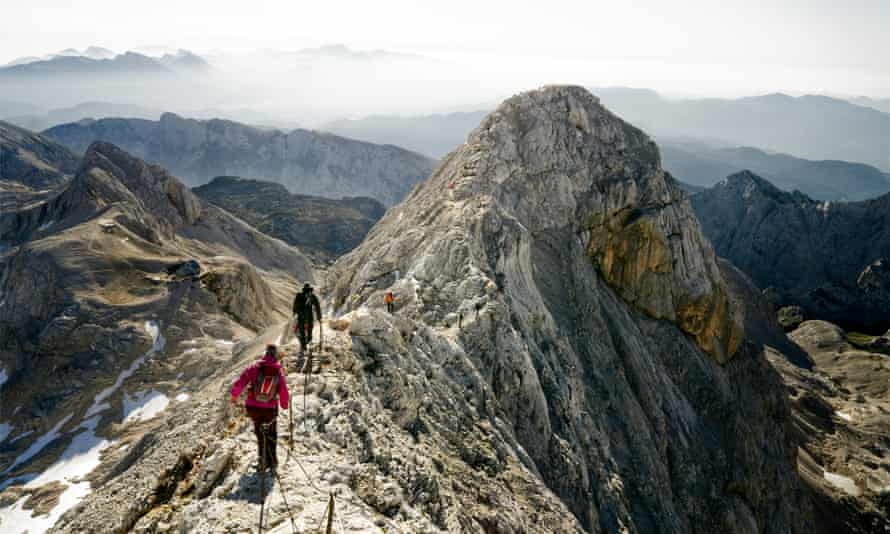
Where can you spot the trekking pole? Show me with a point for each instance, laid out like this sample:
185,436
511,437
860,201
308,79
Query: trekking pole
290,514
330,526
260,466
307,369
291,425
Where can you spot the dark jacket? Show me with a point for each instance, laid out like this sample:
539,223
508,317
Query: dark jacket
304,304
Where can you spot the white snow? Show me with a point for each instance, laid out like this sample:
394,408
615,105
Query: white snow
182,397
3,377
845,416
143,406
157,345
96,408
78,460
226,342
22,435
45,225
843,483
38,445
5,430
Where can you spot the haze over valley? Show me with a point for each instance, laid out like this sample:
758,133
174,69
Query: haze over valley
467,267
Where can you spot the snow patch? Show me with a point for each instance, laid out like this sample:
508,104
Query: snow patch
96,408
843,483
45,226
845,416
5,430
157,345
144,406
182,397
78,460
3,377
22,435
38,445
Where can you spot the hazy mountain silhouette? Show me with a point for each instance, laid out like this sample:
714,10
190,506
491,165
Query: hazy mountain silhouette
702,165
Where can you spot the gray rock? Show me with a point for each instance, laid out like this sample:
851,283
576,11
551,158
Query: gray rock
609,348
307,162
817,255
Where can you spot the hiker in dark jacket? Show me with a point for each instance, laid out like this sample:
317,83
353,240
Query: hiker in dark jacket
307,309
266,391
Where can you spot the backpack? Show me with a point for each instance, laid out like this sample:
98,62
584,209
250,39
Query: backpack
303,305
265,386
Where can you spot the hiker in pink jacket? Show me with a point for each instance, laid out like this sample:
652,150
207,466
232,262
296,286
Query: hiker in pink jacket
266,391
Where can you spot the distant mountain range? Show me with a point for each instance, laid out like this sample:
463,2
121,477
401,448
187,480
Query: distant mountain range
810,127
880,104
37,121
685,151
702,165
435,135
305,161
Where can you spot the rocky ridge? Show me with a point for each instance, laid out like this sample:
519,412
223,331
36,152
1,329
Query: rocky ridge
108,291
321,227
30,166
828,258
306,162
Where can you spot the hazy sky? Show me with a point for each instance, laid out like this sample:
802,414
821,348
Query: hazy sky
689,46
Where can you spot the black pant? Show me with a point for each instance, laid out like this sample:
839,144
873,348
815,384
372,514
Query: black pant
304,330
390,307
265,426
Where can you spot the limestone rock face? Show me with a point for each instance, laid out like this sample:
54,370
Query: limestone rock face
32,160
557,275
306,162
817,255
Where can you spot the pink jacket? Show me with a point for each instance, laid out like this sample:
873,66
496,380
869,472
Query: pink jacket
248,377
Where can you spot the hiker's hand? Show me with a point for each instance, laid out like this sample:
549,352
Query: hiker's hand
233,399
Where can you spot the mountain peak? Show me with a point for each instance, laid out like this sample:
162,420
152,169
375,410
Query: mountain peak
554,162
160,194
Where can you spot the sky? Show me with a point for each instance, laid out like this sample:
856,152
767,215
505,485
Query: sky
730,47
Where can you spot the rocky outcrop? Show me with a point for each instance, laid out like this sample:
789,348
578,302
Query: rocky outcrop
32,160
322,227
817,255
306,162
840,407
552,277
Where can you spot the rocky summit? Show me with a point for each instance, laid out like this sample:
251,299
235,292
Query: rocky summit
831,259
306,162
559,314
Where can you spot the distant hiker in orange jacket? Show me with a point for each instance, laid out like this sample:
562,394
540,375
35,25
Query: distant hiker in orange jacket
266,391
390,300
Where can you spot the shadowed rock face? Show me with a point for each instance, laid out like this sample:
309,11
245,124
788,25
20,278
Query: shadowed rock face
825,257
597,332
323,227
33,160
306,162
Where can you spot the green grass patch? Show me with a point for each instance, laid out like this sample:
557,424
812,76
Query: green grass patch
860,340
